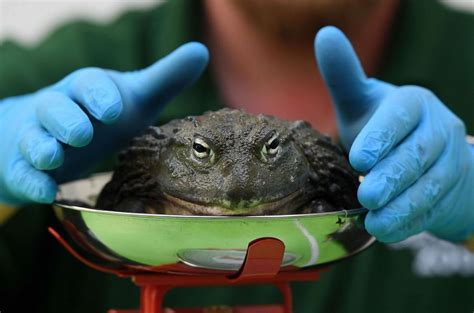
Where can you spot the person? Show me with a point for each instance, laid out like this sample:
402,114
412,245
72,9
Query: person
64,109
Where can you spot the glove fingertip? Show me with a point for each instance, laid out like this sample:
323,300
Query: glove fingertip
47,193
80,134
335,55
40,188
325,34
35,186
43,188
168,76
199,50
50,156
193,56
360,161
377,224
112,113
369,196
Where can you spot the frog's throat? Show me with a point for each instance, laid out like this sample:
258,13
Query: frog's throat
284,205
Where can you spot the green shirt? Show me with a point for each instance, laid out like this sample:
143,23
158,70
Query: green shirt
430,46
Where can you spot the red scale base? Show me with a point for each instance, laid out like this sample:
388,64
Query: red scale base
261,266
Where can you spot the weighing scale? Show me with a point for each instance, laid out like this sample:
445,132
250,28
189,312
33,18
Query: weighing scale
161,252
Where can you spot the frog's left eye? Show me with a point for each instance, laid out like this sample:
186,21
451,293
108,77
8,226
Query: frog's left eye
201,149
272,145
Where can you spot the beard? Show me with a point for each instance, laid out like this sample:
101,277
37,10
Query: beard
293,20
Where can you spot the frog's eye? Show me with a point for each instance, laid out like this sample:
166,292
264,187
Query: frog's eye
272,145
201,149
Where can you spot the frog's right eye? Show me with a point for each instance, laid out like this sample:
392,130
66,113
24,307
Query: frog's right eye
201,149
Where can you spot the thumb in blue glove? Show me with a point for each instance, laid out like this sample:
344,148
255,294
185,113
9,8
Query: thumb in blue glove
420,169
68,127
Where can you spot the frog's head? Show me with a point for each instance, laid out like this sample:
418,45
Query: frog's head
230,162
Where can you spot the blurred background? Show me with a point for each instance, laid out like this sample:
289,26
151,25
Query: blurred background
28,21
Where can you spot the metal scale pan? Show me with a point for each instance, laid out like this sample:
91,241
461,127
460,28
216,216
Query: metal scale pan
152,241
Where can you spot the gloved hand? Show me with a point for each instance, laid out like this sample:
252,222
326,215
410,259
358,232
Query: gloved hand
69,126
420,169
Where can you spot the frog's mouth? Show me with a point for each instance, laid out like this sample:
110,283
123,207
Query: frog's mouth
284,205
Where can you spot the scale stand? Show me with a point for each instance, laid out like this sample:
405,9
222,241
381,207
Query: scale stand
262,265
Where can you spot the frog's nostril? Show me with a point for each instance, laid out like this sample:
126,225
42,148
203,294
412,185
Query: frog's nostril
226,168
227,163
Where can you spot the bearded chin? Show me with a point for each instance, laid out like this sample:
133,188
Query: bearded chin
299,19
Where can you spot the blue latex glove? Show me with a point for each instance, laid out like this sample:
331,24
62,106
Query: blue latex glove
420,169
70,126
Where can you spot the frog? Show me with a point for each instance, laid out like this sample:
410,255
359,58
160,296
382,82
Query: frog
231,162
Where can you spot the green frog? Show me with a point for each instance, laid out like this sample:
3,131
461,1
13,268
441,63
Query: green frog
230,162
